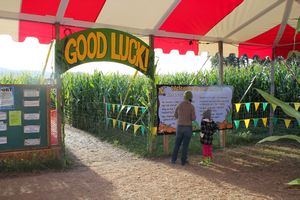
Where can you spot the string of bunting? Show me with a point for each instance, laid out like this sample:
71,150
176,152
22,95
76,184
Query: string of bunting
257,104
264,120
126,125
119,108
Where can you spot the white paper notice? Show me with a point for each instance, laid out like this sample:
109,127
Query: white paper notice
3,126
35,103
3,140
3,116
31,116
31,142
32,129
31,93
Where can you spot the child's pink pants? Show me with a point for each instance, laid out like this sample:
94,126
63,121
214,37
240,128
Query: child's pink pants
207,150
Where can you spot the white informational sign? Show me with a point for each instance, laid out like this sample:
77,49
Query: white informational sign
6,97
216,98
3,116
3,126
31,93
32,142
32,129
35,103
3,140
31,116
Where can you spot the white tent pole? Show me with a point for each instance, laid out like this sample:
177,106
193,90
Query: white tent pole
220,83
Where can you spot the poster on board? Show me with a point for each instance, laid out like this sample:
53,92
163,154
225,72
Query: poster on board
6,97
216,98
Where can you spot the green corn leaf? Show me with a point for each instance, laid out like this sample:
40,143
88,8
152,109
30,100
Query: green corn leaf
295,182
290,111
275,138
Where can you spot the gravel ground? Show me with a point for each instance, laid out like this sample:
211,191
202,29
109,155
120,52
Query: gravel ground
102,171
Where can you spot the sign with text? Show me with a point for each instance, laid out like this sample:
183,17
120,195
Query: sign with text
104,45
216,98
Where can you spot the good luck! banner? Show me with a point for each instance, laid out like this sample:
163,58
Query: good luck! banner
104,45
217,99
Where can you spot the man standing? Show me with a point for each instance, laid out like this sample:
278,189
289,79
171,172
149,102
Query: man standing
184,114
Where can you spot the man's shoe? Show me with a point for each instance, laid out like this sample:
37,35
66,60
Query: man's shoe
184,162
172,162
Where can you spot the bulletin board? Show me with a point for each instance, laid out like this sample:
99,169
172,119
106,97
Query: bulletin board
23,117
218,99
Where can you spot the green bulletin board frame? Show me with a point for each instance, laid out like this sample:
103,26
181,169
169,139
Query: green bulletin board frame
26,120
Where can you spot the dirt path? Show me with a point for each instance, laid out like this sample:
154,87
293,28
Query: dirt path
105,172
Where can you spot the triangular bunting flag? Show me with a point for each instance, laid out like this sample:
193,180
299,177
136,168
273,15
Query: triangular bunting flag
107,121
237,123
153,130
136,110
118,107
247,106
275,119
143,109
247,121
298,122
128,108
123,125
265,121
297,105
128,126
142,130
113,107
114,123
122,108
256,104
108,106
287,122
255,122
274,107
265,104
135,128
119,124
237,107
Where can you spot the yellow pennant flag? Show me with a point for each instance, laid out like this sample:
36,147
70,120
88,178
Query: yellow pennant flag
113,107
237,107
247,121
265,121
114,123
123,125
297,105
135,128
287,122
136,109
122,108
153,130
256,105
274,107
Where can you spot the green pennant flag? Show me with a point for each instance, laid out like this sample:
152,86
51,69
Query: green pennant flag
128,126
108,107
255,121
142,130
128,108
237,123
119,124
107,121
265,104
118,107
298,122
275,119
143,109
247,106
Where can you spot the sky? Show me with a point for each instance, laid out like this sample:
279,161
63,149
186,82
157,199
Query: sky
31,55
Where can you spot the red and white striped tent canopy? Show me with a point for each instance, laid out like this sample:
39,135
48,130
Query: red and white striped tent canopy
251,26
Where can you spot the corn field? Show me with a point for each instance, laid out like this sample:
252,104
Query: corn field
85,95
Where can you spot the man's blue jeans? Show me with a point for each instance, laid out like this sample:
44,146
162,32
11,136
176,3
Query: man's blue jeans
183,135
